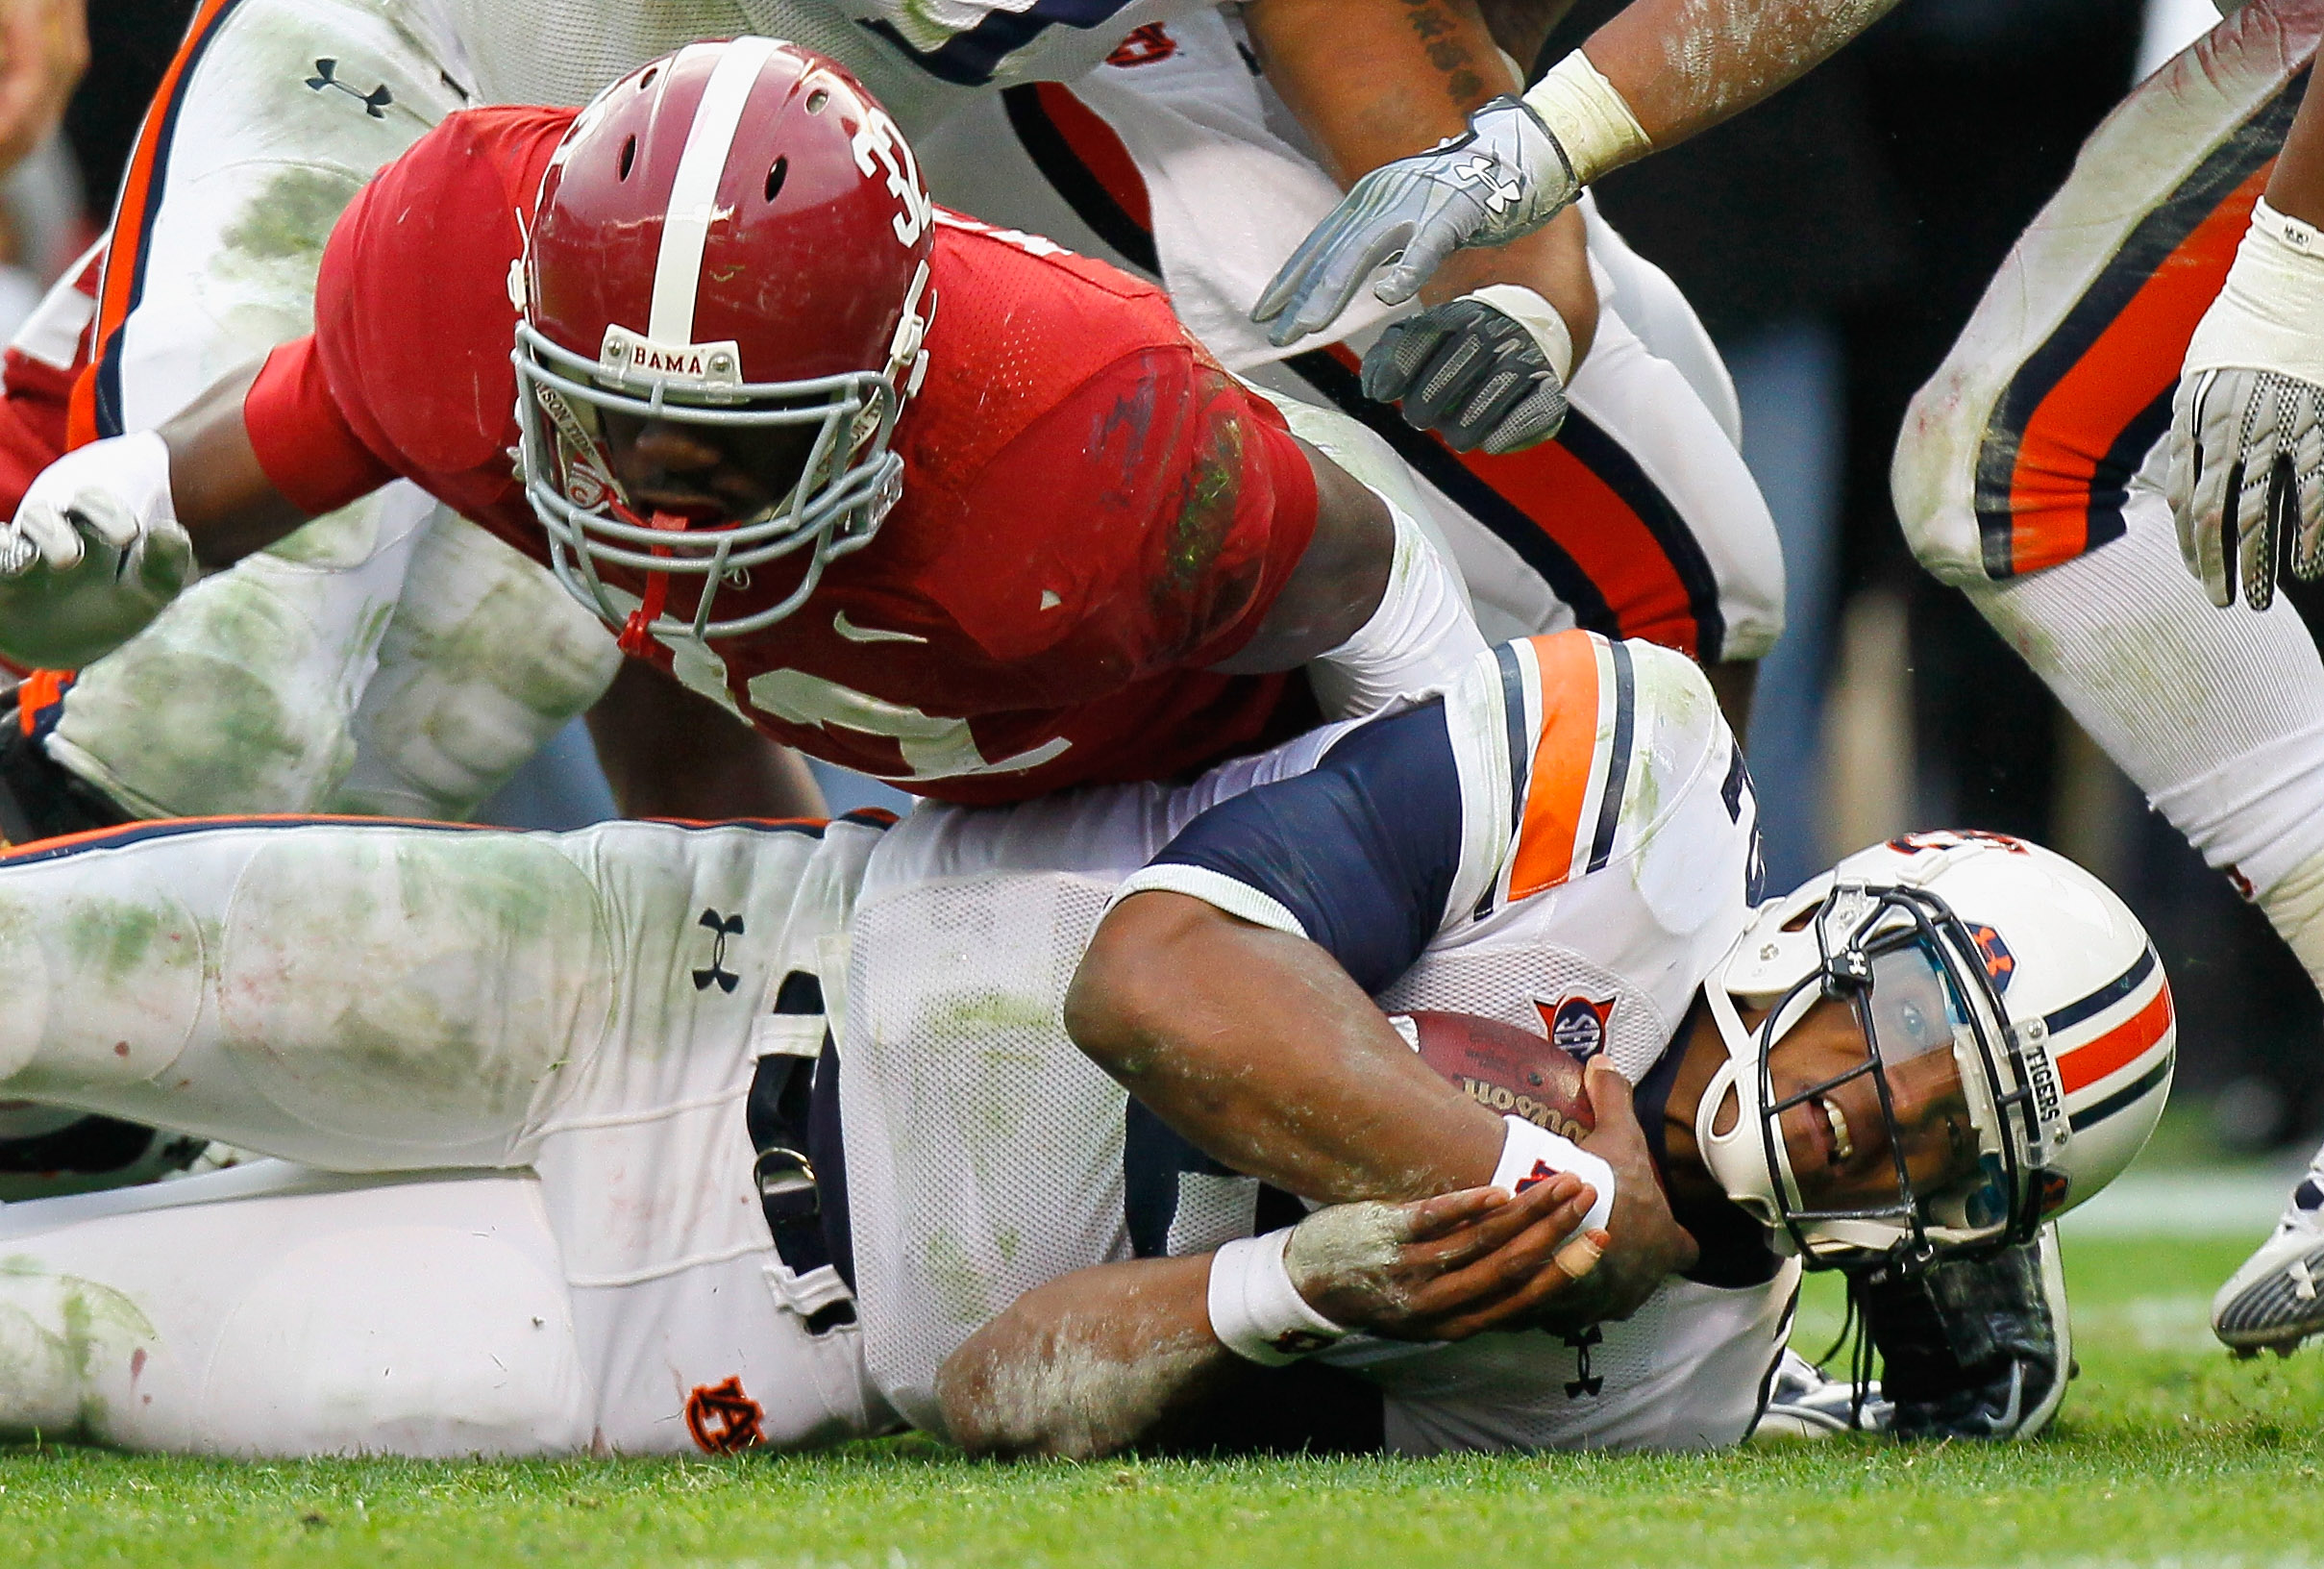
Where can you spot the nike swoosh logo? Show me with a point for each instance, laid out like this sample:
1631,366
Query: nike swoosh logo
854,633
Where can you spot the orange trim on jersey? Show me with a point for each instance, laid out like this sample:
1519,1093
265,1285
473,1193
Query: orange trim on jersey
144,828
1564,762
2087,1063
2132,364
125,260
37,692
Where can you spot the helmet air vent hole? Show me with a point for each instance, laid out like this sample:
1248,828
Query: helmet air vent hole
646,81
775,177
817,99
1801,921
629,156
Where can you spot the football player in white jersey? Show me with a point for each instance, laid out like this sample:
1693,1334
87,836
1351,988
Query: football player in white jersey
2149,353
1913,1060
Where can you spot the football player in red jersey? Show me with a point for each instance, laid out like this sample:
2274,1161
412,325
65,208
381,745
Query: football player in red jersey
749,347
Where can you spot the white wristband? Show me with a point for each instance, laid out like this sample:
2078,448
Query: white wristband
1529,1153
1255,1311
1590,120
2297,232
1540,319
2270,314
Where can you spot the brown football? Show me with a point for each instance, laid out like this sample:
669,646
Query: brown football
1513,1071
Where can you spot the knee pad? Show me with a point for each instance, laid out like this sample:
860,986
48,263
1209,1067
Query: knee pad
420,1340
486,658
240,698
391,989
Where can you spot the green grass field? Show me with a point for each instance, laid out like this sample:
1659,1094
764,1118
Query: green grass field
2169,1453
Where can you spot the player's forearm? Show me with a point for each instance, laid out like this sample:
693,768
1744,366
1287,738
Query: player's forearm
1088,1363
1684,65
1377,80
1257,1047
224,501
2296,188
668,752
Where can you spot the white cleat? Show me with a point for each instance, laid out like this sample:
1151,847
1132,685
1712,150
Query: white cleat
2273,1302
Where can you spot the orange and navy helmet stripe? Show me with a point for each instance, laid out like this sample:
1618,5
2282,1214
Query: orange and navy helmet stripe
2076,420
2140,999
1580,511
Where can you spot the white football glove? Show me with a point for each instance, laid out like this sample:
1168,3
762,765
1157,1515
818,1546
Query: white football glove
92,555
2247,443
1486,370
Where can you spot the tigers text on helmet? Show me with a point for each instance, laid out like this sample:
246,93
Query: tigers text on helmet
2017,1042
732,235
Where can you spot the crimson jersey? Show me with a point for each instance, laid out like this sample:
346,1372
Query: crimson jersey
1093,510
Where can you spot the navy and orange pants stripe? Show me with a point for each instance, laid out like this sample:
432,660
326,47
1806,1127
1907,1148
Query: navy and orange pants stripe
1580,510
2056,457
95,409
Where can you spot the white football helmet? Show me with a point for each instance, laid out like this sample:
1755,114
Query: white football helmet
2017,1042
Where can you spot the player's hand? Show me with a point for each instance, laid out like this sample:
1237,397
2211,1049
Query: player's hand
43,50
2247,443
1505,177
1448,1267
92,555
1485,370
1648,1243
2246,480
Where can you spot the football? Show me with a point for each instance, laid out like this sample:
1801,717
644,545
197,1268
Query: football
1514,1071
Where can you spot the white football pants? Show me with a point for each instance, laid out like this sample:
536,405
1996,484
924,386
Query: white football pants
2028,474
580,1013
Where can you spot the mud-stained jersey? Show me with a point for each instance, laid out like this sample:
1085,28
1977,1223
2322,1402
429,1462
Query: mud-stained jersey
1093,512
1570,833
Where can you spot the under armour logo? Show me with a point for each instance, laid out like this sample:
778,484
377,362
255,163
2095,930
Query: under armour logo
1499,194
1584,1381
374,102
722,927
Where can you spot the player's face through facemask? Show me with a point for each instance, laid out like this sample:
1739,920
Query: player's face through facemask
1847,1129
707,474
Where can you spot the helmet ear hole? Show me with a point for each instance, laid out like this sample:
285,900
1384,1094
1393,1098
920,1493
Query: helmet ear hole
817,99
629,156
776,177
1728,1114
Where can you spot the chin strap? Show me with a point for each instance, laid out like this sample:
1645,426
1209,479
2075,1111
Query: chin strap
637,632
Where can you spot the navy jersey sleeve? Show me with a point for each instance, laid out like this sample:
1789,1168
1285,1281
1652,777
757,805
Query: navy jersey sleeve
1358,855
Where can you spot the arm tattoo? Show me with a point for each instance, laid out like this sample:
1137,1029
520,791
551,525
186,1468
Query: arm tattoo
1436,31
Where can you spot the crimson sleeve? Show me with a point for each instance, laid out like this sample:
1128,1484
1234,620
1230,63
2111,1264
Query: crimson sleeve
301,436
1275,505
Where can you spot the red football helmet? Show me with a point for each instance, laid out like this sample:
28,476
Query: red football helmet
734,234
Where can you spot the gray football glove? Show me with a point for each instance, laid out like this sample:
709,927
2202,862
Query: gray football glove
2246,480
1473,373
1503,178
